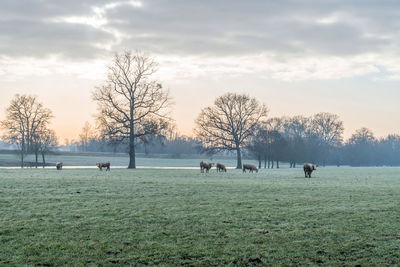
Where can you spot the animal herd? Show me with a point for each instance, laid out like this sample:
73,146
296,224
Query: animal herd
206,166
100,165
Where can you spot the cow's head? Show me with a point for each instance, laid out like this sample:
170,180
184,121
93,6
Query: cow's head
314,166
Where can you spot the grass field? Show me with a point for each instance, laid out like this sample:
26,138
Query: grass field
342,216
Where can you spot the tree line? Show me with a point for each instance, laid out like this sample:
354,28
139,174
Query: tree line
133,116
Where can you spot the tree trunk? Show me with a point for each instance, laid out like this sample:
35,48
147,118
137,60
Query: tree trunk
36,159
239,158
294,164
272,164
277,164
44,161
265,163
22,158
132,158
269,163
259,162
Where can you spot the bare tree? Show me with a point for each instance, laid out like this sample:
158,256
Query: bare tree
328,127
228,124
328,130
267,143
24,118
361,147
43,140
130,103
296,131
86,136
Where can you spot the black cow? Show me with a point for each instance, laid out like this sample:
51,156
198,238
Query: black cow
308,169
59,166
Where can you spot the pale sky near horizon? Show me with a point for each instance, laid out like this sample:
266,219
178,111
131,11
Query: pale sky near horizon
297,57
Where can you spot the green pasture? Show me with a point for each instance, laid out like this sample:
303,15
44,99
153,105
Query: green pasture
84,217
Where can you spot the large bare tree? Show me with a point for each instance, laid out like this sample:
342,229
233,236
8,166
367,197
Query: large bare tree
25,117
131,103
228,124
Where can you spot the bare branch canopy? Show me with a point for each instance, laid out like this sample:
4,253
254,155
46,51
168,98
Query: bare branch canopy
229,123
131,103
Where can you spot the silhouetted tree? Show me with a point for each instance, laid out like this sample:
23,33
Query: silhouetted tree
131,103
43,141
228,124
25,118
360,148
327,132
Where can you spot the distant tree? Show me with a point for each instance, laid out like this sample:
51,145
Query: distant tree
296,131
388,150
131,103
328,130
277,144
25,117
228,124
360,148
86,136
328,127
43,141
157,129
267,143
258,144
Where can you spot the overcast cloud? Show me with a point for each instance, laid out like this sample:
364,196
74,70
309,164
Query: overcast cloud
362,36
212,28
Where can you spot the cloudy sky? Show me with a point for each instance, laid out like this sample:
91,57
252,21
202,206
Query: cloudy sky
299,57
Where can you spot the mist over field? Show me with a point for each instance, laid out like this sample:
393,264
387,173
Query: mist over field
199,133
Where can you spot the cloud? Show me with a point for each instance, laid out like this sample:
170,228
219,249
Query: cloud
285,39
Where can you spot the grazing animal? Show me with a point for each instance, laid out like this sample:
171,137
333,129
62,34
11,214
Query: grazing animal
308,169
59,166
205,166
102,165
249,167
221,167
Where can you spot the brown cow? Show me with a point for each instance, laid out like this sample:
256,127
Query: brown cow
308,169
249,167
59,166
205,166
221,167
102,165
